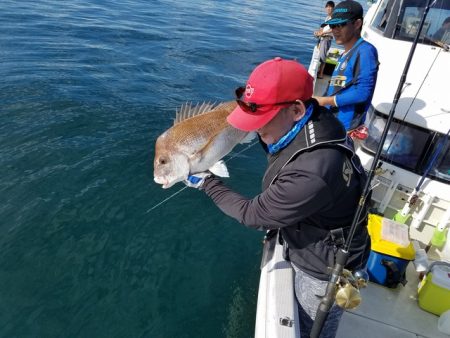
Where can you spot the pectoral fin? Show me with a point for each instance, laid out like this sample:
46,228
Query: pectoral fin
220,169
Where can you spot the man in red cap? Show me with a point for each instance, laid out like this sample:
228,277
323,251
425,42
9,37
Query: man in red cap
311,186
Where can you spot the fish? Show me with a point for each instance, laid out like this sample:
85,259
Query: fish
197,142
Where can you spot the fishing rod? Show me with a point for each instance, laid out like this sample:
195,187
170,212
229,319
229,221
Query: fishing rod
343,252
403,215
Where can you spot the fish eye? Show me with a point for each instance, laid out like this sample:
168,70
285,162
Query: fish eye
162,160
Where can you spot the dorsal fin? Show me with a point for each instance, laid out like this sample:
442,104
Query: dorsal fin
187,110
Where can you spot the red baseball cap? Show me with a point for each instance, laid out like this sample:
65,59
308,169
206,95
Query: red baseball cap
272,82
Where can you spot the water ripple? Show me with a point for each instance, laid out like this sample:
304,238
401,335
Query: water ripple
87,86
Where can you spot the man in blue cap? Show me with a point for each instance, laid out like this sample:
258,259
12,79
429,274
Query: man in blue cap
353,81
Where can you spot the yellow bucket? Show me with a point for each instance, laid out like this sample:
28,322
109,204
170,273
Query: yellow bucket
434,290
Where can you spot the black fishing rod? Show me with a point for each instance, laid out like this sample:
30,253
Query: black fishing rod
403,215
343,253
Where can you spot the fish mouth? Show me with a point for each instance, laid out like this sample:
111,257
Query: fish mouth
164,181
160,180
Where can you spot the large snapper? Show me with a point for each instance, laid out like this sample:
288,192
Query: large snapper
196,142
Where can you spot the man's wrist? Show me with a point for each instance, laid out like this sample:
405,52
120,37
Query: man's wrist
326,100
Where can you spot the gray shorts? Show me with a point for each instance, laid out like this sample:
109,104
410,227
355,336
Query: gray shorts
309,292
324,46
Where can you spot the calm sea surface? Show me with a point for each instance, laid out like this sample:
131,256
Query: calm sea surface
86,87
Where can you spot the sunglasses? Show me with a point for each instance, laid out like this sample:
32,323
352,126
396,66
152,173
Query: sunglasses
339,25
251,107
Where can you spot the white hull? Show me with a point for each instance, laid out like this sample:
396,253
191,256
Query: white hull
277,314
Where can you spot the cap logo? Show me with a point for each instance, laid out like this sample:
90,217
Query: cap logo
249,91
341,10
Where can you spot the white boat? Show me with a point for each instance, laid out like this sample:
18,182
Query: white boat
421,122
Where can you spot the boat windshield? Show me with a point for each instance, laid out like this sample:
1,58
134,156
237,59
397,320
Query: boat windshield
400,20
409,147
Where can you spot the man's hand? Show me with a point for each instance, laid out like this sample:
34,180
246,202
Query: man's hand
325,100
197,180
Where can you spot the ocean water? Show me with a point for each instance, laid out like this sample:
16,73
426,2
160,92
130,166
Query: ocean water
86,87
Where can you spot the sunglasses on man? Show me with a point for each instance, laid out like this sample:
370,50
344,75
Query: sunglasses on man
251,107
340,25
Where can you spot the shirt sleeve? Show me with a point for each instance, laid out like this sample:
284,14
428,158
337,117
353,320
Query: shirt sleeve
362,90
326,30
294,196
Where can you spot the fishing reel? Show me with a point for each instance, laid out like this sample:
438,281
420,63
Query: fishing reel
379,171
347,288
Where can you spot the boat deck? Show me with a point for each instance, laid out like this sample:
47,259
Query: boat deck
383,312
386,312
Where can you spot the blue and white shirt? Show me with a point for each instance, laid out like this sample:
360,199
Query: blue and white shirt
353,83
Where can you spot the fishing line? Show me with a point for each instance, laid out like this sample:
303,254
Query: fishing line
166,199
390,157
183,188
245,149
